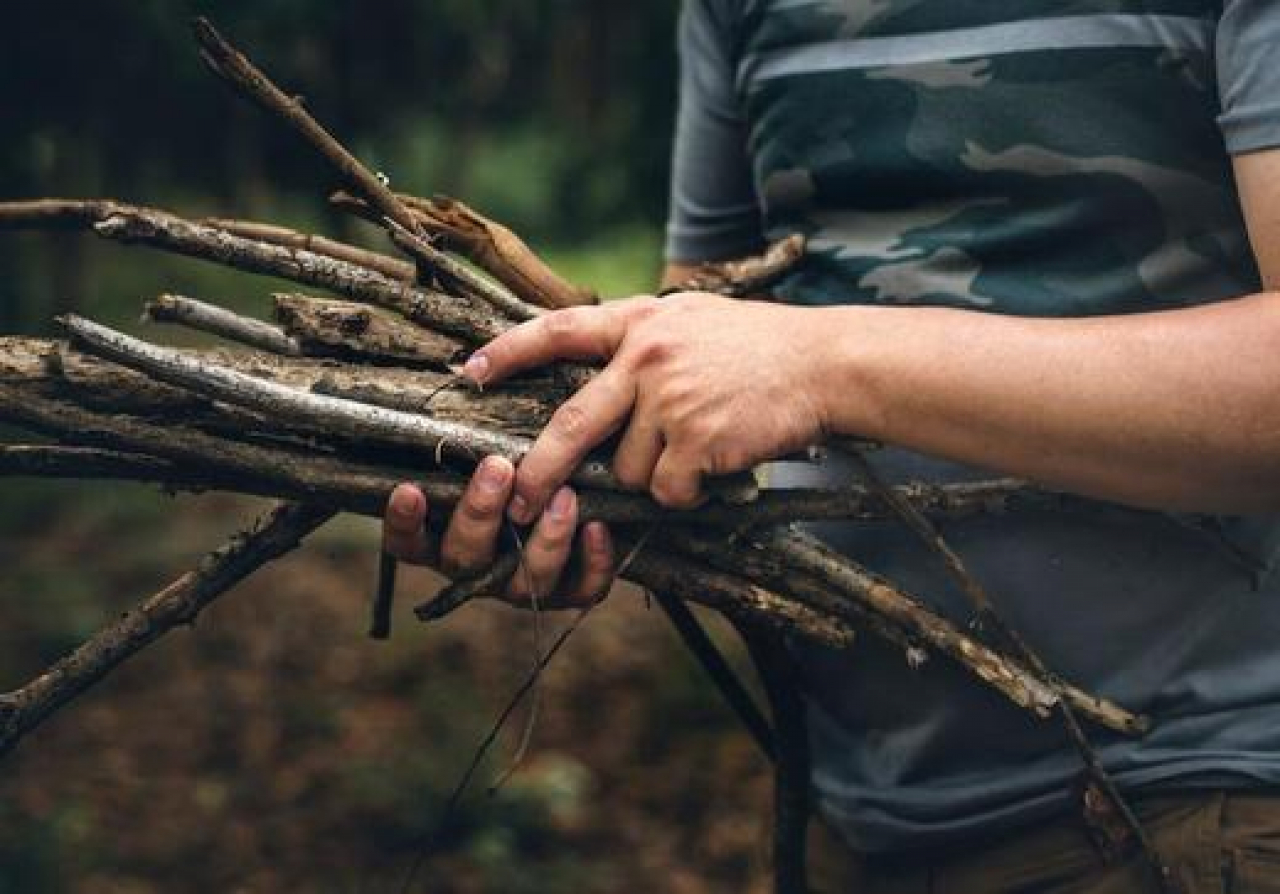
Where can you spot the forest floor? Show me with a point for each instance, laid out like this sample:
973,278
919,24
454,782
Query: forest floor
275,748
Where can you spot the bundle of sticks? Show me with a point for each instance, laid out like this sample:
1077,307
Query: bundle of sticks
334,401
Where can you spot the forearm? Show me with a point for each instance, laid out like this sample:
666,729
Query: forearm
1174,410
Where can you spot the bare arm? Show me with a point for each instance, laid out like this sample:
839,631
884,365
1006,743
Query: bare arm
1178,409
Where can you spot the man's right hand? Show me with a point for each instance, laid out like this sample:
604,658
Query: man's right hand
551,569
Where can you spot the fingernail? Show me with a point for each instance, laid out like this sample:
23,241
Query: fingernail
518,511
404,502
476,367
493,476
561,503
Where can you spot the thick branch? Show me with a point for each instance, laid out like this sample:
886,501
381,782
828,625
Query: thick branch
342,417
23,709
454,315
362,332
465,317
182,458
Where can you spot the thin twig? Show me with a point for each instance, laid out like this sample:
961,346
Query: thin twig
427,848
459,275
1099,784
791,810
384,595
713,663
235,69
218,321
392,268
488,582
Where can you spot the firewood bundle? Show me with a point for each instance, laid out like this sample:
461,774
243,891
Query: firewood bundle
331,402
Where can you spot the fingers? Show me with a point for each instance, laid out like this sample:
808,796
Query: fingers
471,538
572,333
638,451
548,555
583,421
469,543
547,551
403,526
677,481
596,574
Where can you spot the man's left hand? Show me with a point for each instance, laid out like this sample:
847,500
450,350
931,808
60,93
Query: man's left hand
700,384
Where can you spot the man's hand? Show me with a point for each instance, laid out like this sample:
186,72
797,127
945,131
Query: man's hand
699,385
470,540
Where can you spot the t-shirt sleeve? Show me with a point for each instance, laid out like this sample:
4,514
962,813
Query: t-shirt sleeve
1248,60
713,214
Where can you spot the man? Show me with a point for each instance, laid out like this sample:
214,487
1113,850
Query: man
1030,230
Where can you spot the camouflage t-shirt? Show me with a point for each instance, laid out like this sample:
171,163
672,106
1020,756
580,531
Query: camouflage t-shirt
1037,157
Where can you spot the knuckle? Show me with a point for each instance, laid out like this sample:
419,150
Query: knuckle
562,323
674,495
730,458
554,539
691,435
570,423
533,485
459,558
651,348
476,510
629,474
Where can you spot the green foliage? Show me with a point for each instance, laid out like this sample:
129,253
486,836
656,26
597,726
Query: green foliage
552,115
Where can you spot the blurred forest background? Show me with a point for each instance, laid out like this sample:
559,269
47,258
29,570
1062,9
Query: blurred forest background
274,747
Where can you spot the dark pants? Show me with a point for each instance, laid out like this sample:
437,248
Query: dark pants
1214,842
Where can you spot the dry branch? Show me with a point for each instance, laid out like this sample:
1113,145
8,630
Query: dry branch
329,414
1024,686
454,315
245,78
179,457
392,268
440,266
360,332
215,320
489,245
461,316
749,277
25,708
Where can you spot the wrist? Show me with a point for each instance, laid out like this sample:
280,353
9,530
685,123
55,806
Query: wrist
851,343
